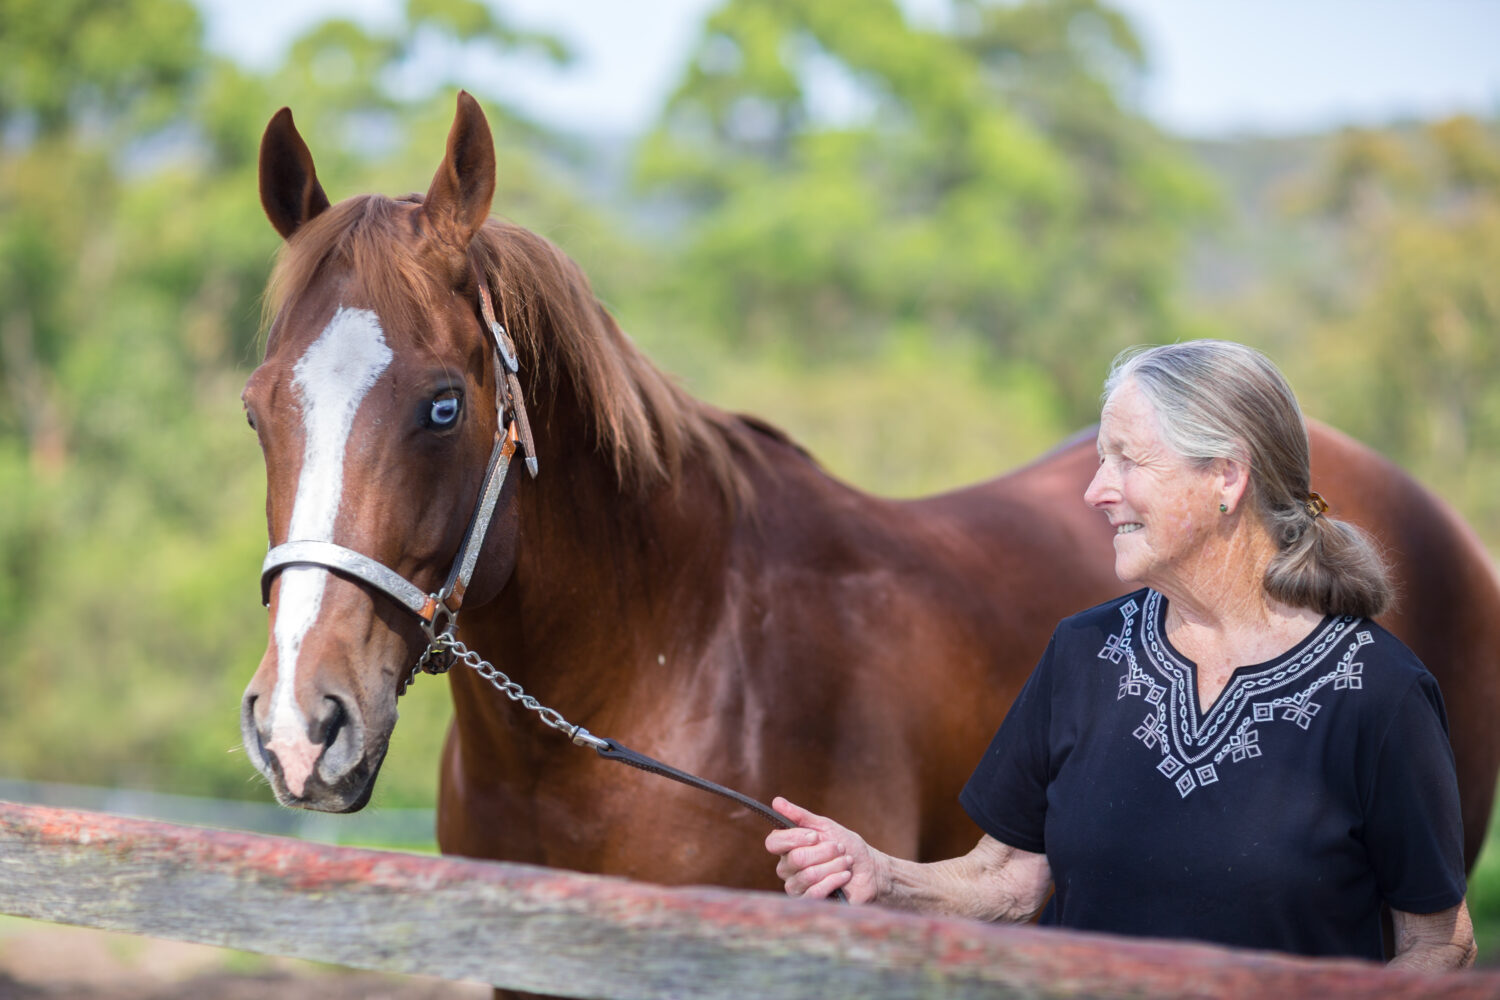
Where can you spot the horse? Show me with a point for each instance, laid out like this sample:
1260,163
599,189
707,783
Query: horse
685,580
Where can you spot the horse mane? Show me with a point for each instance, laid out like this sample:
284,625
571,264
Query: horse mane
641,418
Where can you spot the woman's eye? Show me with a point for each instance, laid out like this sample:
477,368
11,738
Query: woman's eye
444,412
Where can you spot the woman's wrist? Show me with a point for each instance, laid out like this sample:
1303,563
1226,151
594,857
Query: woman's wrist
882,881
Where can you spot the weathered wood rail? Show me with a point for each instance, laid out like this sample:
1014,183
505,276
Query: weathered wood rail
576,935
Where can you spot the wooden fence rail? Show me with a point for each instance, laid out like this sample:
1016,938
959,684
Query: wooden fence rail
576,935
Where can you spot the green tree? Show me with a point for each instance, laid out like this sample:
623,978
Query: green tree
981,181
63,62
1404,337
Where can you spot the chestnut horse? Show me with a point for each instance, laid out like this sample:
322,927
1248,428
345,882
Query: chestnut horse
687,581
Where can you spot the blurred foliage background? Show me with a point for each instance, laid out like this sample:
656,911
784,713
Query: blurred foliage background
923,281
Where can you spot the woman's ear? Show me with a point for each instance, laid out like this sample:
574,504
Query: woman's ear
1233,480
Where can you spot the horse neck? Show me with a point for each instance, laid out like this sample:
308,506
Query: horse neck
601,570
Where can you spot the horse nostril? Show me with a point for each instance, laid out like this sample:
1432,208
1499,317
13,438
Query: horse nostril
325,728
249,725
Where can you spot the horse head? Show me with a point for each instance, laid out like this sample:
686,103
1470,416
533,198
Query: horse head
379,409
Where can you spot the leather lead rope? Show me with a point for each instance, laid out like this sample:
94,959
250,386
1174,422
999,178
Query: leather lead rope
615,750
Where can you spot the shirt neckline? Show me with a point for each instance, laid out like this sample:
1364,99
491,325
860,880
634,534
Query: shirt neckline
1238,674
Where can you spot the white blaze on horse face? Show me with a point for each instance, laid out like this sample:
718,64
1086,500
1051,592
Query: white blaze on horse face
331,380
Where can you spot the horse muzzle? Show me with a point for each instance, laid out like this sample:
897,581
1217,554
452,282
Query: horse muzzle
327,762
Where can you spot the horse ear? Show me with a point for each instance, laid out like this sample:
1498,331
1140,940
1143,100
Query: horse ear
289,188
459,199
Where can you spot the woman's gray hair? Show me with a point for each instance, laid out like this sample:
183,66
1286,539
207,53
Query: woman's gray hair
1216,399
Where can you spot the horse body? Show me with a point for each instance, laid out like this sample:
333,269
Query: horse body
687,582
815,642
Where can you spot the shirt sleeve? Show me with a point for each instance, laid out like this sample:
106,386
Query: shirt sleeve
1007,793
1414,825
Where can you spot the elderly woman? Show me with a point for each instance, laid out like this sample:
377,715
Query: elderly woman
1234,752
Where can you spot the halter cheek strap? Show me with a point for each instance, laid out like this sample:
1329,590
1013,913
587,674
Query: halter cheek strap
437,611
507,384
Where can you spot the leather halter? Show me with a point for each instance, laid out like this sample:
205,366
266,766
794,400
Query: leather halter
437,611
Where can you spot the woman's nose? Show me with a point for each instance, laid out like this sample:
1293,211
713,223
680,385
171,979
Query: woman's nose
1101,488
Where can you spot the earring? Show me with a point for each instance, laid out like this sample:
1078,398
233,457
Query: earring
1223,508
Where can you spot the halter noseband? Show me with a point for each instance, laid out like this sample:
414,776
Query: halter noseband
438,611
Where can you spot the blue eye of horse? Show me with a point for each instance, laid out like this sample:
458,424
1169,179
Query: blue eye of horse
444,412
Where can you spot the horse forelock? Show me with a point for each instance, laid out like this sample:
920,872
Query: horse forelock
363,234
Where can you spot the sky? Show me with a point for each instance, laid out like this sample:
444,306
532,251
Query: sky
1219,67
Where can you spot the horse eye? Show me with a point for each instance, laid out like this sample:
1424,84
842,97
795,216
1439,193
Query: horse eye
444,412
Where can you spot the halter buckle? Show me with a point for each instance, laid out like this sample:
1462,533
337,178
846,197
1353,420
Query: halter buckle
442,623
438,657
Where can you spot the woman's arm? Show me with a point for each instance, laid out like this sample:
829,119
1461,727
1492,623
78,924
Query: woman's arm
1434,941
994,881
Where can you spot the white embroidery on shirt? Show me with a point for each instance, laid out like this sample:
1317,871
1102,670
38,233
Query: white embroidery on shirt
1192,748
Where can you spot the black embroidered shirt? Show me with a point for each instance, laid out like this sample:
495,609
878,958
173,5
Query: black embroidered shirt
1317,786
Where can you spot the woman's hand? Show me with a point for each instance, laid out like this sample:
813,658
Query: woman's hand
819,856
994,881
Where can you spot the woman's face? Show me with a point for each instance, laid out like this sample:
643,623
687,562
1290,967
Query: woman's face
1163,507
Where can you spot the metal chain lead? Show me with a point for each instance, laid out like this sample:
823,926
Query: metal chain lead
456,652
